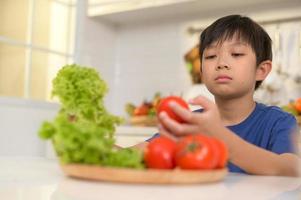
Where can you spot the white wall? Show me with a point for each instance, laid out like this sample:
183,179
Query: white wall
20,120
96,47
149,59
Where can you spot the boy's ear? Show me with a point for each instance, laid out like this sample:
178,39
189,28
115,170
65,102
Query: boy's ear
263,70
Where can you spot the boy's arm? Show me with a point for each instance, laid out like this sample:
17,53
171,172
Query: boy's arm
255,160
252,159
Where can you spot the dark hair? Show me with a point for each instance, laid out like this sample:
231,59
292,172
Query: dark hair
244,28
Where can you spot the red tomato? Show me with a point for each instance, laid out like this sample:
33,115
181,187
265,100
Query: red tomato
164,106
141,110
159,153
195,152
221,152
298,105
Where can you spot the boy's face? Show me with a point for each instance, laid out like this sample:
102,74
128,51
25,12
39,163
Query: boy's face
229,68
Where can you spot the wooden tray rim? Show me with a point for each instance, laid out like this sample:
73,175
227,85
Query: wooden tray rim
145,176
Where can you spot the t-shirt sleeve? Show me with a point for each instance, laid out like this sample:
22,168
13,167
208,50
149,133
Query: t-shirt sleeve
153,137
284,135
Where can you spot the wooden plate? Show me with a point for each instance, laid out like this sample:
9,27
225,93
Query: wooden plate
150,176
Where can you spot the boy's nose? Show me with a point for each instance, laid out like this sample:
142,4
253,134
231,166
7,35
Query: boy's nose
222,63
222,66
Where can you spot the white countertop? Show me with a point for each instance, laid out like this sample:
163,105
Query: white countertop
41,179
135,130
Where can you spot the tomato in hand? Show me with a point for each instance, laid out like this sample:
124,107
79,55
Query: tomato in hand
164,106
195,152
159,153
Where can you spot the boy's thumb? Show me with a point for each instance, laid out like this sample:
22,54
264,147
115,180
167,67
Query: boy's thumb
201,101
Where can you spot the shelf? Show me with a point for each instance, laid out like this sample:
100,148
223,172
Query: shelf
105,7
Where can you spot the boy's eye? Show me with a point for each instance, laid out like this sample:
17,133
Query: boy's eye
210,57
237,54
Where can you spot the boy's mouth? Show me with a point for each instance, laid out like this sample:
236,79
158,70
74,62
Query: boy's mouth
223,78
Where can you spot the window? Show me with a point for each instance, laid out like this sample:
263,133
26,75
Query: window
36,40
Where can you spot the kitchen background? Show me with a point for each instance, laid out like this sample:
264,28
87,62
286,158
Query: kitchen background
138,46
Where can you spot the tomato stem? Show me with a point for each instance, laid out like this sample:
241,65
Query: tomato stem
193,146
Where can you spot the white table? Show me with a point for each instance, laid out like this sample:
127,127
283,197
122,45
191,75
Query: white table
41,179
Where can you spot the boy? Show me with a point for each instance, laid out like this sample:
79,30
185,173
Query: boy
236,56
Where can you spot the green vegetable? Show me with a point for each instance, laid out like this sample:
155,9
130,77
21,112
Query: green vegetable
189,66
130,108
290,109
152,112
83,130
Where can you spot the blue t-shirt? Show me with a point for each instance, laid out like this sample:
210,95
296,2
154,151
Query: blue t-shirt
267,127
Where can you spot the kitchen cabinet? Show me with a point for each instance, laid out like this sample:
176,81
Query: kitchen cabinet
104,7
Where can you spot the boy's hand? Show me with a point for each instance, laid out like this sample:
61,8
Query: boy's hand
206,122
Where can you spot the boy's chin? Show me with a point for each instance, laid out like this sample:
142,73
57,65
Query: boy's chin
226,95
230,93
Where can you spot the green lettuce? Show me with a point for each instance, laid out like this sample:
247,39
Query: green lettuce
83,130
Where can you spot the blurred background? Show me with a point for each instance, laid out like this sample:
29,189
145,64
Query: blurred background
141,48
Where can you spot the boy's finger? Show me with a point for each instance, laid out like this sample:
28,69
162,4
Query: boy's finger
165,133
183,113
176,128
202,101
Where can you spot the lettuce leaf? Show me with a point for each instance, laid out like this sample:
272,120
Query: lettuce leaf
83,130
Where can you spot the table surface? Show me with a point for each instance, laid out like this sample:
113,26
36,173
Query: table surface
35,178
